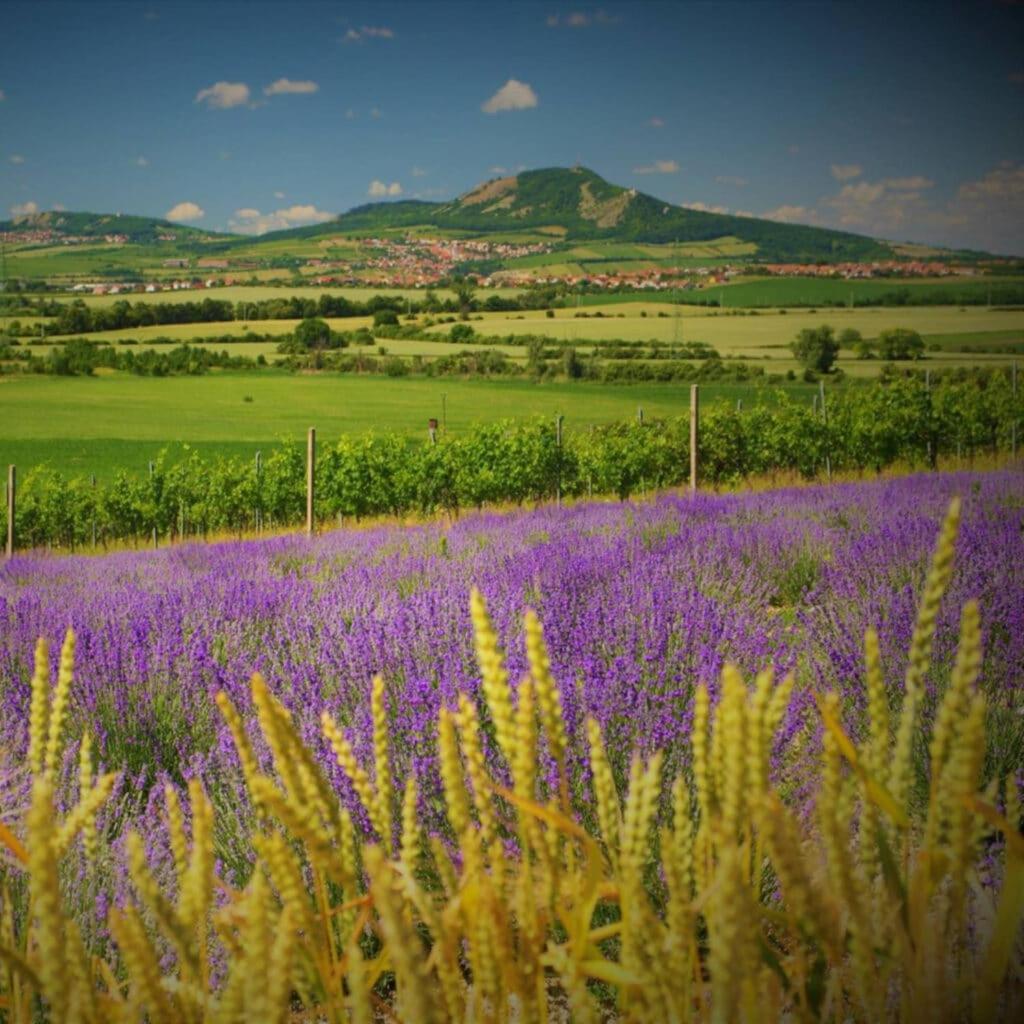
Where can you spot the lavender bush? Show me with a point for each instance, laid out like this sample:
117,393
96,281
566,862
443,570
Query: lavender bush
640,603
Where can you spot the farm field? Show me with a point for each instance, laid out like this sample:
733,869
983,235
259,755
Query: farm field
783,291
98,425
764,335
259,293
651,613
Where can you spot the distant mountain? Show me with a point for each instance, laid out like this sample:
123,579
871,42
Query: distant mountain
99,225
565,204
577,204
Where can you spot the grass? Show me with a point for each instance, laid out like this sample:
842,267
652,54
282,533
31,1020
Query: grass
764,337
97,425
781,291
258,293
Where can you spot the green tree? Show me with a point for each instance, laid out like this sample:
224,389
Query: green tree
816,348
313,332
572,365
464,288
900,343
385,318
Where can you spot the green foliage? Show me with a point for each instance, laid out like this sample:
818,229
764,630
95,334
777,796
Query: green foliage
816,348
900,343
313,333
897,419
385,318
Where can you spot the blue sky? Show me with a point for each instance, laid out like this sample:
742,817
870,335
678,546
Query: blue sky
905,122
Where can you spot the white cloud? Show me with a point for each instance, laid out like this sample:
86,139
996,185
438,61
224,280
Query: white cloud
24,209
655,122
279,195
287,87
249,221
912,184
185,211
497,169
513,95
1004,183
885,207
844,172
986,212
16,158
350,114
379,189
419,172
744,213
658,167
705,208
732,179
581,19
222,95
791,214
141,162
375,113
58,207
358,35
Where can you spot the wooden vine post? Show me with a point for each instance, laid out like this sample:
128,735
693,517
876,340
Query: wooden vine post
694,434
558,445
11,475
310,478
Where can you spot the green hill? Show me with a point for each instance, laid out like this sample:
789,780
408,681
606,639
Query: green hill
98,225
582,206
568,205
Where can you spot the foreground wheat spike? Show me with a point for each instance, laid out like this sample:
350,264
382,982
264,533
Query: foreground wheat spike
702,897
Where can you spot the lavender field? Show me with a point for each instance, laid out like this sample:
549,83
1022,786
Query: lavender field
640,604
850,812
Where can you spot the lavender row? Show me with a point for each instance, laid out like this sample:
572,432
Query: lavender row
640,602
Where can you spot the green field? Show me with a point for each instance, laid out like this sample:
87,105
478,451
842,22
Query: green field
790,291
765,337
260,293
762,336
98,425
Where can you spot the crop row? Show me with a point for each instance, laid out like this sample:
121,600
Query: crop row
866,428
